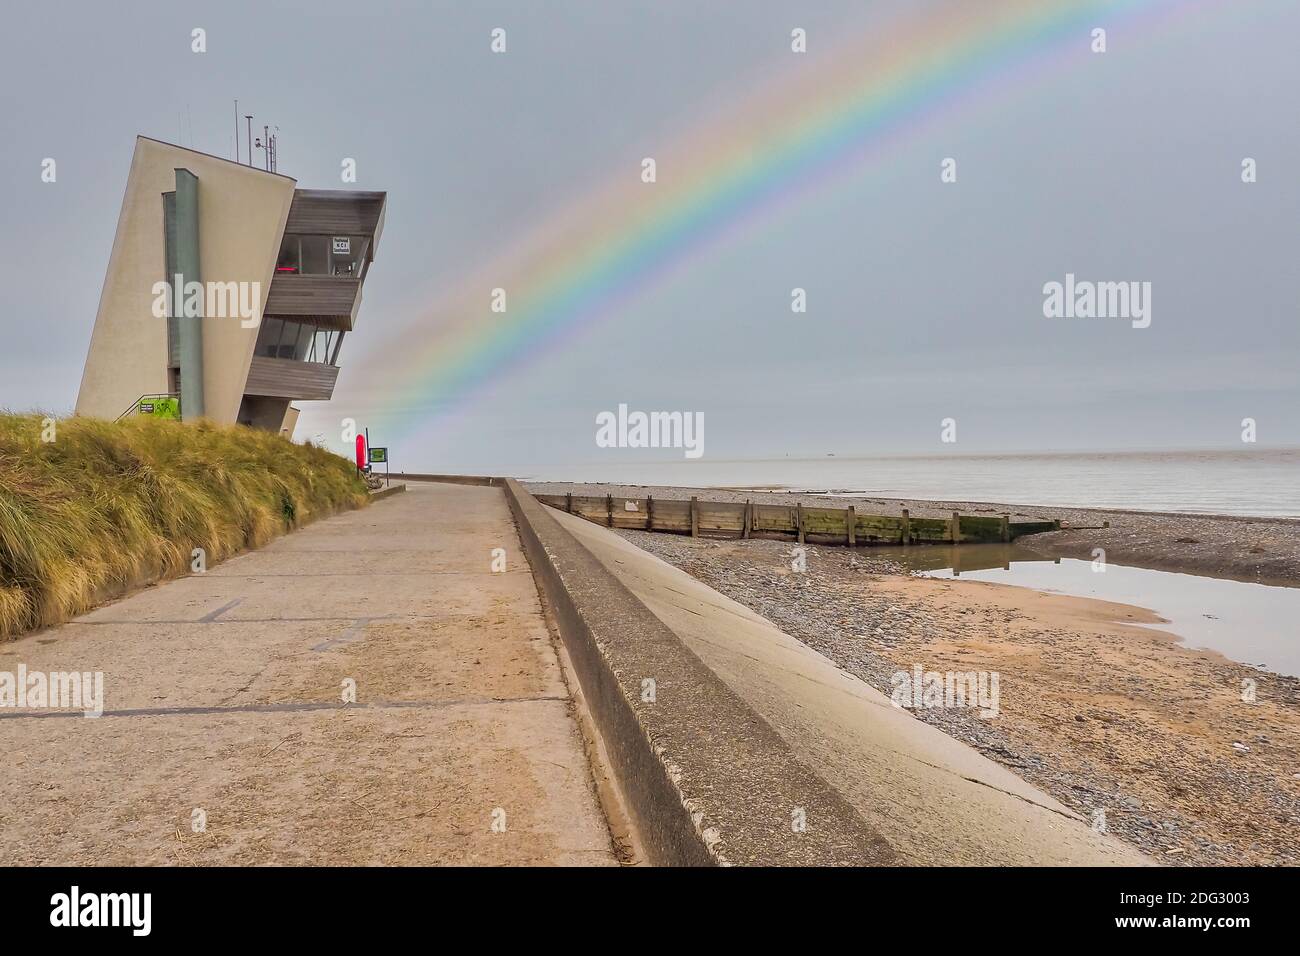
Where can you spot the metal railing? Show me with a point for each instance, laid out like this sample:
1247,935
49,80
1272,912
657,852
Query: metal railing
135,406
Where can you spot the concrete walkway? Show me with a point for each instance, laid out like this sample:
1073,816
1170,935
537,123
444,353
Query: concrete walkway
225,738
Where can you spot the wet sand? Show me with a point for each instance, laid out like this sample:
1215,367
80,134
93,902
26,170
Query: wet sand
1103,715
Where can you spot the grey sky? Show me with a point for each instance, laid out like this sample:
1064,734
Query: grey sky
924,300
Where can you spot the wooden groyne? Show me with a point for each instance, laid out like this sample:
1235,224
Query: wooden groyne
845,526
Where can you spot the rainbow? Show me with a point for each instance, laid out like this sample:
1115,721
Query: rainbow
809,125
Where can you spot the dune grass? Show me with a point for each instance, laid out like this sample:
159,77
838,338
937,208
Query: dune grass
107,505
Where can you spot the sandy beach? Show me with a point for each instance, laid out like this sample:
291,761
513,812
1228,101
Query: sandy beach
1156,742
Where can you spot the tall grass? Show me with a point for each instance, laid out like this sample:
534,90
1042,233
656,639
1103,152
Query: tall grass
106,505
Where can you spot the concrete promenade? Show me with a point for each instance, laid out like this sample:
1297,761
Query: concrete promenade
226,738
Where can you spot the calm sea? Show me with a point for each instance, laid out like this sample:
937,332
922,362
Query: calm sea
1262,483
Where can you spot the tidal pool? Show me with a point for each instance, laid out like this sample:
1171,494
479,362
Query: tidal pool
1252,623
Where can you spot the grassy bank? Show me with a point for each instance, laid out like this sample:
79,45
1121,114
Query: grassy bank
105,505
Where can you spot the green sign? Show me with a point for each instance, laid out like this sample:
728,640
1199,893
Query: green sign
379,455
160,406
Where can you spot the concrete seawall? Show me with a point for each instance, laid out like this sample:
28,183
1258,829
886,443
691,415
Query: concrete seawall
707,780
734,743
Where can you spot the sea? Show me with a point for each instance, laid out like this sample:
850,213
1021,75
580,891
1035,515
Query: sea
1263,483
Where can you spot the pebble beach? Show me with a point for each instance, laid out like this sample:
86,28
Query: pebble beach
1160,744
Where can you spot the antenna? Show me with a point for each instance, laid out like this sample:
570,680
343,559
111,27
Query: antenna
236,130
268,142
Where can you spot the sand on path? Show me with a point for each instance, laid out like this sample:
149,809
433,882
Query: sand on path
226,738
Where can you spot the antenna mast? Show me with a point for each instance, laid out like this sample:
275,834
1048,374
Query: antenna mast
268,142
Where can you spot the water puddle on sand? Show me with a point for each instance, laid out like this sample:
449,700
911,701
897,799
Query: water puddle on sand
1251,623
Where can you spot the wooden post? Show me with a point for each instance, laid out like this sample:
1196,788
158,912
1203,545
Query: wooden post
747,522
955,532
568,502
609,511
798,519
649,512
1006,527
695,517
851,520
907,526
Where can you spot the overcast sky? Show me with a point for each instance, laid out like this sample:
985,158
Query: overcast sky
924,299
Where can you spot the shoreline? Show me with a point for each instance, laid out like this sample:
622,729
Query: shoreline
1098,706
1239,548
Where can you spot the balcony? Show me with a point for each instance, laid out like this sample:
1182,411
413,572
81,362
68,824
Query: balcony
336,212
331,301
289,378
